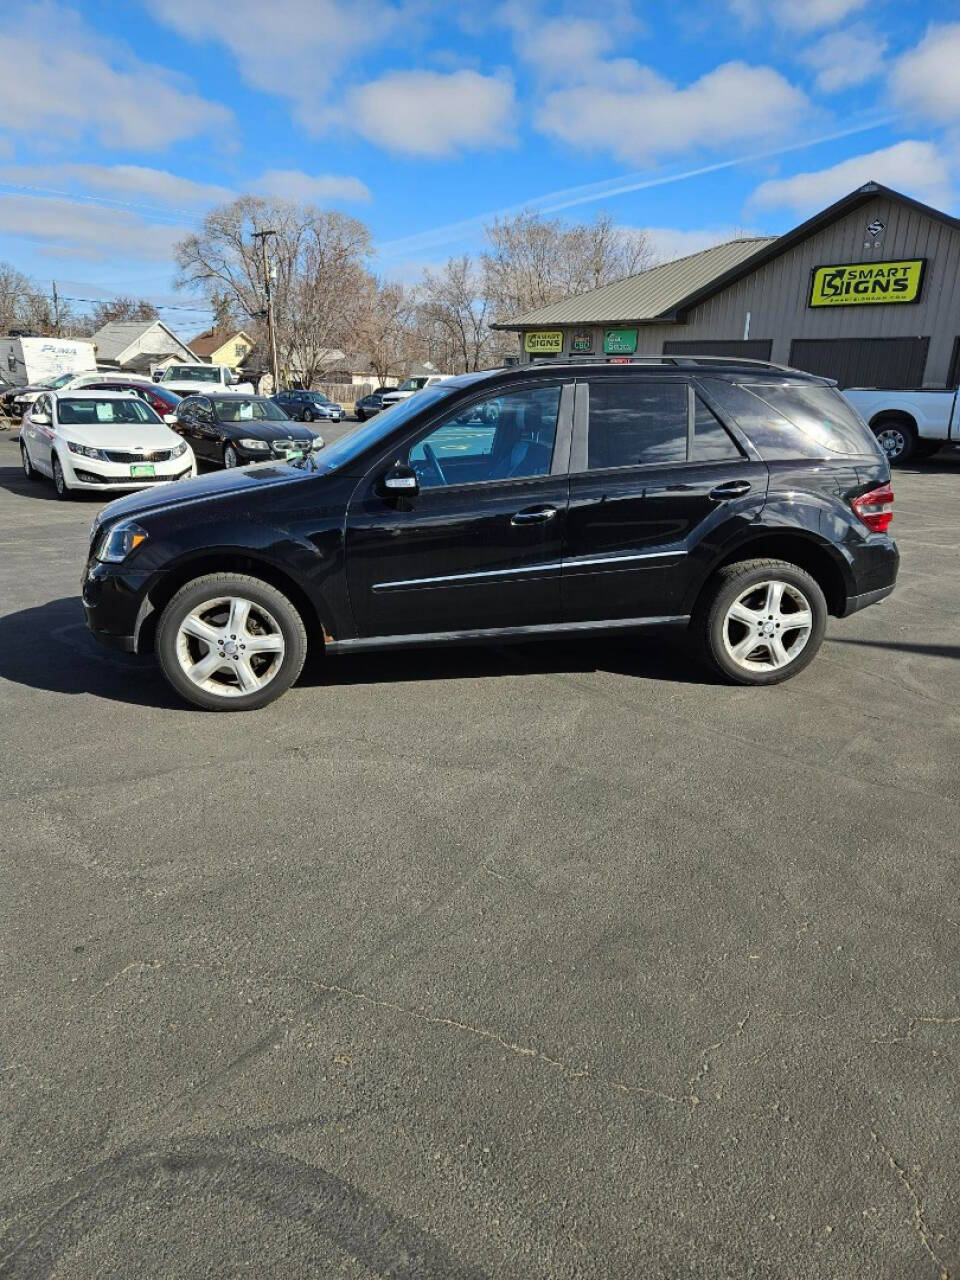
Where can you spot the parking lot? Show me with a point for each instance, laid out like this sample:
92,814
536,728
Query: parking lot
563,960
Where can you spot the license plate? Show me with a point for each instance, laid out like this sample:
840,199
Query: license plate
294,453
143,469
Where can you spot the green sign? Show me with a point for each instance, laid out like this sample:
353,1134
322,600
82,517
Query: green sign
619,342
581,342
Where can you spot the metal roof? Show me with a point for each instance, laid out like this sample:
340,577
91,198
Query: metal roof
650,295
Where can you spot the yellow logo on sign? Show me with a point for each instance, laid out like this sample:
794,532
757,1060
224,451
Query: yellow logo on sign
544,341
857,284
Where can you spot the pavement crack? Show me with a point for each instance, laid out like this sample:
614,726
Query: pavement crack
912,1025
919,1221
141,966
482,1033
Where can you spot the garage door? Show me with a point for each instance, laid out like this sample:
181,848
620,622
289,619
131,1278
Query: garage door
864,362
758,349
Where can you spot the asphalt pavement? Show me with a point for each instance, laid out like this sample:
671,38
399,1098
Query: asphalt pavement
554,961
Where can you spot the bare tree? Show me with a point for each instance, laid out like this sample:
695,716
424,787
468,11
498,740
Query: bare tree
121,309
319,260
385,328
14,290
534,261
452,314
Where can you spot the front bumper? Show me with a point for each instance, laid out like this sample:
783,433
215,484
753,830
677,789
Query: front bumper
113,477
116,603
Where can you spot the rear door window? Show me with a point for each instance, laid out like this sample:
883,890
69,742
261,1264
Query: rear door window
635,422
795,420
711,440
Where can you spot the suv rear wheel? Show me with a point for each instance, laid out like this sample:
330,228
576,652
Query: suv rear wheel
897,438
761,621
229,642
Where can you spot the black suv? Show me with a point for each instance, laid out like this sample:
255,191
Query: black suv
744,500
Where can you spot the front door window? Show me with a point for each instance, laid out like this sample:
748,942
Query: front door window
508,437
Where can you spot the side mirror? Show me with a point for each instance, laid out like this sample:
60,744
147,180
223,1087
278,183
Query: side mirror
41,419
401,480
170,419
157,376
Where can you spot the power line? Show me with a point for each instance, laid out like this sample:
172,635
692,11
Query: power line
160,306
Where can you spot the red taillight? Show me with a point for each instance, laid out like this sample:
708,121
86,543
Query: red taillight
875,508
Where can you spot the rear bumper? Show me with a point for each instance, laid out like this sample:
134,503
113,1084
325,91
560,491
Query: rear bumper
856,603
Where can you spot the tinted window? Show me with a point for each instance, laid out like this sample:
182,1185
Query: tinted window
634,421
820,413
761,411
504,438
711,441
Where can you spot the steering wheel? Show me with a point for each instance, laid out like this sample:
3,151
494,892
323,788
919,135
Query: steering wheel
431,457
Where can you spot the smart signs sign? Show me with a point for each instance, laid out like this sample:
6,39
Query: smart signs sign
543,342
860,284
620,342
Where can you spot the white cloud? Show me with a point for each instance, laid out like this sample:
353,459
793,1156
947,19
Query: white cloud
295,50
916,168
844,59
75,230
128,183
305,188
62,81
797,15
432,114
634,113
926,80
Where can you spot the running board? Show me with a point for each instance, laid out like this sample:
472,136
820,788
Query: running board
423,639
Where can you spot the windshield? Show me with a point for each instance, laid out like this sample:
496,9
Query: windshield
412,384
248,409
91,412
318,397
360,439
61,381
192,372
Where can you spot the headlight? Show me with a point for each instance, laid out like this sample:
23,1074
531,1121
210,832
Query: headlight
180,450
119,541
316,442
87,453
254,446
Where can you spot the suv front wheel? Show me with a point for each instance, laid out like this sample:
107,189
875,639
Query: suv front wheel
761,621
229,642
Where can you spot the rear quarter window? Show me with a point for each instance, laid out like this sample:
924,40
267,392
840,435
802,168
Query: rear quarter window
789,420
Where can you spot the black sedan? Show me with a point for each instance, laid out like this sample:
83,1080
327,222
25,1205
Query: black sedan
368,405
232,430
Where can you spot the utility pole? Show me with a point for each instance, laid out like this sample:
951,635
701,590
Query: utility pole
271,328
56,311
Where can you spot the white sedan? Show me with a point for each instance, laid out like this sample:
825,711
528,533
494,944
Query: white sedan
100,440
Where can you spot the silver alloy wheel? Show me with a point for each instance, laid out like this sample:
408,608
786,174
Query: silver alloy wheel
892,441
767,626
229,456
25,459
59,483
230,646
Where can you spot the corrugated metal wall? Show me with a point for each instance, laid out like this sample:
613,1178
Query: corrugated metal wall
776,295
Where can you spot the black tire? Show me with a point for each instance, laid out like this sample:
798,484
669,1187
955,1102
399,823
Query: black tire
215,586
60,486
360,415
230,458
306,416
714,630
897,438
29,470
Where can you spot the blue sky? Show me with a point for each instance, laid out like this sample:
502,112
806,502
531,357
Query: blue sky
121,123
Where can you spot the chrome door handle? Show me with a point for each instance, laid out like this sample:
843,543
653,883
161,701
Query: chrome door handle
534,515
733,489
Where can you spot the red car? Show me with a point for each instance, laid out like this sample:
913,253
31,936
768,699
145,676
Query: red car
161,400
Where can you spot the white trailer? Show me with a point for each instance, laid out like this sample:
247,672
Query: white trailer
28,361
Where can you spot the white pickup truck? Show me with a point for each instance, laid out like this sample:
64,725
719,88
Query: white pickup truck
908,424
193,379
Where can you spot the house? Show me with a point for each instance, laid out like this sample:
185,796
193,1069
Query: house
138,345
229,347
867,292
356,371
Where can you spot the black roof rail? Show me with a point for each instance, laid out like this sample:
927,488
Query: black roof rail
681,362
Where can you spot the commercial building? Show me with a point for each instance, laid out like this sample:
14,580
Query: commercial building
867,292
